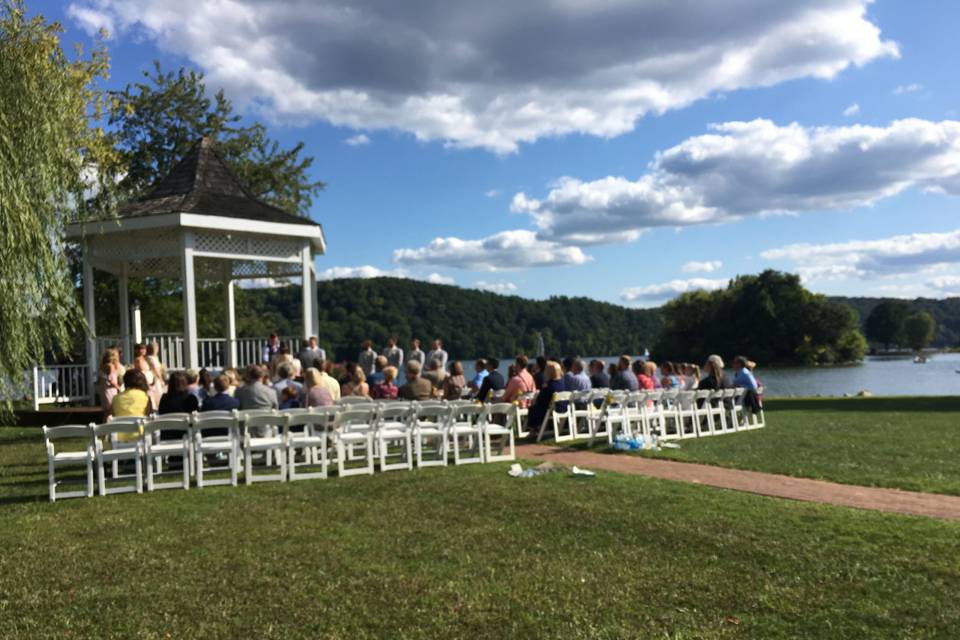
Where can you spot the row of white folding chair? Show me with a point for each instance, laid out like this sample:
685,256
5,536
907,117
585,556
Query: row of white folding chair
573,414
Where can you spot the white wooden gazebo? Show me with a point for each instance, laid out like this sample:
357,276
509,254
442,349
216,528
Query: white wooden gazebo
200,225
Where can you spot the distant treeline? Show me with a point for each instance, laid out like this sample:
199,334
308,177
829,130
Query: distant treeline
946,314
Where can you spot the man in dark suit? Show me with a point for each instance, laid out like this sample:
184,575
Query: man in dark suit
493,382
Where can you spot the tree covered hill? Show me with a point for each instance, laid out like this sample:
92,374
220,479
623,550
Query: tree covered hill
946,314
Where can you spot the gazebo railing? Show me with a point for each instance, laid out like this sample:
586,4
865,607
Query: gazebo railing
212,352
61,383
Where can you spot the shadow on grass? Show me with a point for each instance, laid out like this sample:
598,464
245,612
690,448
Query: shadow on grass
932,404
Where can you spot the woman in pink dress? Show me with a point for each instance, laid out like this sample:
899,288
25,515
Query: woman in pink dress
110,374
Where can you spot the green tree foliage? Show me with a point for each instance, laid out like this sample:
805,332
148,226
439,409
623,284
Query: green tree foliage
769,317
157,121
945,313
885,323
51,156
918,330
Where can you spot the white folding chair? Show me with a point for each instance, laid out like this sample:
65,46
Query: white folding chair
429,423
131,450
686,412
355,425
313,439
557,415
703,416
636,417
580,411
155,448
668,414
522,411
737,411
266,435
55,459
116,443
614,418
716,412
466,424
216,437
352,400
492,427
753,419
393,427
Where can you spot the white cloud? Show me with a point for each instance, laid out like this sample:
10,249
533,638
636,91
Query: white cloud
92,19
753,168
502,288
492,193
667,290
365,271
436,278
907,88
500,73
262,283
358,140
506,250
945,285
897,255
708,266
852,110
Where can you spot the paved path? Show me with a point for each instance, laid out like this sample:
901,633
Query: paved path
767,484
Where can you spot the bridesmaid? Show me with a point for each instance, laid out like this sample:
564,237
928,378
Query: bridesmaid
110,374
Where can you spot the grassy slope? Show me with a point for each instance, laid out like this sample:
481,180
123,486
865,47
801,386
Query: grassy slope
904,443
462,552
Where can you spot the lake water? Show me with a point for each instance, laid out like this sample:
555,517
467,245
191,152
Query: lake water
882,376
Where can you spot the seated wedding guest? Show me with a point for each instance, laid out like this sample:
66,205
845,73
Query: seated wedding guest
435,374
668,376
356,382
204,384
640,369
282,355
309,355
623,379
221,400
368,358
553,383
233,376
377,376
393,354
493,382
454,383
317,394
133,401
575,379
742,375
178,398
519,383
538,376
713,377
289,398
254,394
193,384
327,380
387,389
598,377
480,367
285,381
692,372
416,387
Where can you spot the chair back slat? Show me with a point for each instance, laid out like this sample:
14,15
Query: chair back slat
110,428
67,431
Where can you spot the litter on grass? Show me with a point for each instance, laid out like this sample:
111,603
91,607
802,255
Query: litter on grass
517,471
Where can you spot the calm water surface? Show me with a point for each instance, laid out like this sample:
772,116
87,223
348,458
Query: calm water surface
881,376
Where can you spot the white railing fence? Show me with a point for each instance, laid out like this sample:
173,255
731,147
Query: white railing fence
61,383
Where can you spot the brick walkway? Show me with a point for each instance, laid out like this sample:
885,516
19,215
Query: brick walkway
767,484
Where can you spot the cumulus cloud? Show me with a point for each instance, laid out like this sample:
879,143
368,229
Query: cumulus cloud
365,271
708,266
902,89
506,250
852,110
358,140
896,255
667,290
743,169
499,73
492,193
502,288
945,285
436,278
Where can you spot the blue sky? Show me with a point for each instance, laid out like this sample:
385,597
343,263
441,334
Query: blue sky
657,146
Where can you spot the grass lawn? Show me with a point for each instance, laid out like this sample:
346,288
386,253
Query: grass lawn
462,552
904,443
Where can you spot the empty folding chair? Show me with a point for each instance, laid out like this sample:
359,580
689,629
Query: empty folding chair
499,421
580,403
132,450
84,457
266,435
429,424
466,426
309,432
394,428
216,437
654,416
156,447
668,414
686,411
355,425
557,418
635,415
737,414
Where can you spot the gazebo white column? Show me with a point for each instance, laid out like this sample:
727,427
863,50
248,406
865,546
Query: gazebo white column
309,291
315,329
230,352
191,357
90,313
123,300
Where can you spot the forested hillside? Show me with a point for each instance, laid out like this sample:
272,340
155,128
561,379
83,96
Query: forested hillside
946,313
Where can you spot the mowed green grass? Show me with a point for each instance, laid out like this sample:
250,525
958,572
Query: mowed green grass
904,443
464,552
